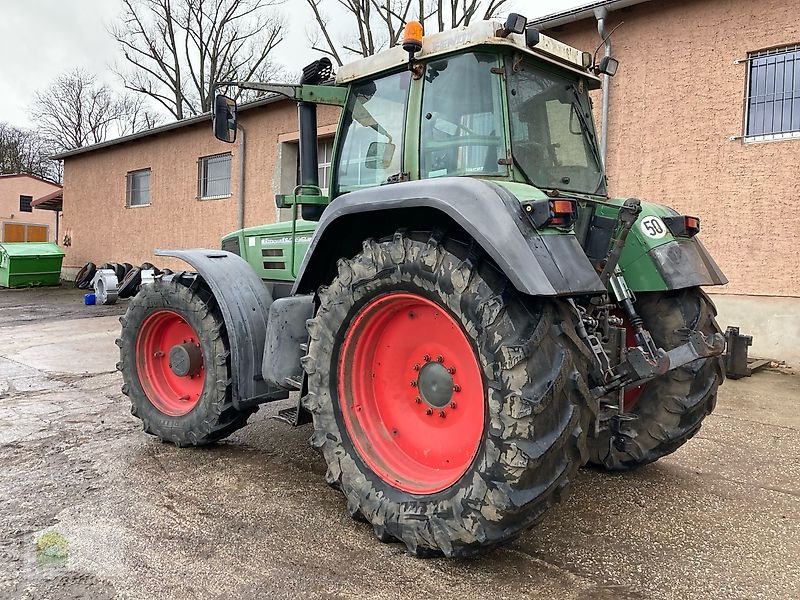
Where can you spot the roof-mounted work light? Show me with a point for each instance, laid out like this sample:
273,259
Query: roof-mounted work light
515,23
608,66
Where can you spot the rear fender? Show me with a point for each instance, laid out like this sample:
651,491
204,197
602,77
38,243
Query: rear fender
539,264
244,302
655,260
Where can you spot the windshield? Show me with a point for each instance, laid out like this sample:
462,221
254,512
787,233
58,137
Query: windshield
552,132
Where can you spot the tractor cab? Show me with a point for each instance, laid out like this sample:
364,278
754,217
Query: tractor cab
494,108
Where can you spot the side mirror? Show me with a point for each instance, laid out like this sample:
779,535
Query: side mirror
608,66
224,119
379,155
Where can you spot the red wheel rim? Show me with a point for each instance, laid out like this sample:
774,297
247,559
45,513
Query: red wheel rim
169,392
411,393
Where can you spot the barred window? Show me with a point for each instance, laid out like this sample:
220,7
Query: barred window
773,93
214,176
138,188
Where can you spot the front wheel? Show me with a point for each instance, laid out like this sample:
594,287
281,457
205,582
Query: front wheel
449,408
175,364
670,409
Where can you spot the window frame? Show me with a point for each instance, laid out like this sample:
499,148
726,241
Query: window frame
29,200
128,187
200,180
770,136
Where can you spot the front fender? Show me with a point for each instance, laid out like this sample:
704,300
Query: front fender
536,263
244,302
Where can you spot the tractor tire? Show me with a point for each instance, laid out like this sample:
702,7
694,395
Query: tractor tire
670,409
130,284
475,412
175,363
83,279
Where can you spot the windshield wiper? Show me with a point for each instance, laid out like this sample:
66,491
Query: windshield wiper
588,131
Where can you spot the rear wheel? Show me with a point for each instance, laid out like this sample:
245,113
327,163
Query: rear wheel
448,407
175,364
670,409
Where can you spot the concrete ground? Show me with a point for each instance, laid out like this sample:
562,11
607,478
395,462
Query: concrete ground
252,517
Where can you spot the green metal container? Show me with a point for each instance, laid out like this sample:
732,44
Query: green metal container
25,264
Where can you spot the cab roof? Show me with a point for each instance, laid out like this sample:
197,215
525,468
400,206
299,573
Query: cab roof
480,33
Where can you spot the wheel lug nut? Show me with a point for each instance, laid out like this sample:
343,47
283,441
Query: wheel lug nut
427,358
442,414
428,411
456,388
158,354
416,367
451,370
413,383
418,400
452,405
440,358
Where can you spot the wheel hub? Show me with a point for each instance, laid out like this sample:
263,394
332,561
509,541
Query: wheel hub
185,359
169,362
435,385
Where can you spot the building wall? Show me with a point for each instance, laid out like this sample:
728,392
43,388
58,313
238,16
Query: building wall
11,188
676,101
100,226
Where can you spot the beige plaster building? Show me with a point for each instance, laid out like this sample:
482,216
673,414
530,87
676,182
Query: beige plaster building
20,221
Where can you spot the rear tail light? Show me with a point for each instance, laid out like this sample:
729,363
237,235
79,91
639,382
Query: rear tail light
555,212
682,225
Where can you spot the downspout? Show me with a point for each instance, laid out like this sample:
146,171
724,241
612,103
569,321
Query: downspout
601,14
242,150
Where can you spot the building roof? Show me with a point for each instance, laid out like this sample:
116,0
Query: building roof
581,12
29,176
268,99
52,201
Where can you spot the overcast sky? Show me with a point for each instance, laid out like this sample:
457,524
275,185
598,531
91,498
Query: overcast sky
40,39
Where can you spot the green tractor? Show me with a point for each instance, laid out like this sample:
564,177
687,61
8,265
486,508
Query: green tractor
466,316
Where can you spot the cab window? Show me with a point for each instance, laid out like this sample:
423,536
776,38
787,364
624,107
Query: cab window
462,129
371,149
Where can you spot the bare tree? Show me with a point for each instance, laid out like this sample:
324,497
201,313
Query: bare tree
24,151
378,24
76,111
178,50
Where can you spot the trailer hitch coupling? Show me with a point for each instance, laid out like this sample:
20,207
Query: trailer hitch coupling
640,367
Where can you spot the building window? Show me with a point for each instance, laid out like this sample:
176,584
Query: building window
214,179
138,188
773,93
25,204
324,154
